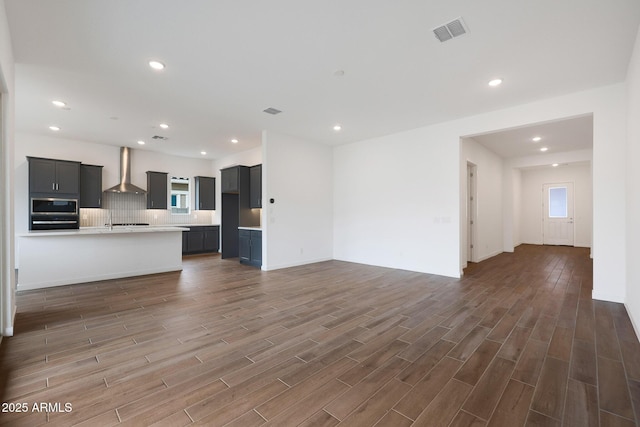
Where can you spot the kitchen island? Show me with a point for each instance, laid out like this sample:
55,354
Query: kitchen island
63,257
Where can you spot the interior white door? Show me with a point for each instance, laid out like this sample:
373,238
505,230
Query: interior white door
557,216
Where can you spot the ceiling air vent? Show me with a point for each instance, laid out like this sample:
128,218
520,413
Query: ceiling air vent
272,110
450,30
162,138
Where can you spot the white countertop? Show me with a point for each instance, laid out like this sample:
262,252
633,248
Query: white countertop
105,230
257,228
188,225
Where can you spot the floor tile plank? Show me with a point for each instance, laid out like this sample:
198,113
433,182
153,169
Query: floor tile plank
513,407
582,405
551,389
446,405
488,390
427,388
529,366
613,393
476,365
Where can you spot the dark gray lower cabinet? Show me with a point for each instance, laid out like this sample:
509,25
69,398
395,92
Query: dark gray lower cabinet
201,239
256,248
244,246
250,248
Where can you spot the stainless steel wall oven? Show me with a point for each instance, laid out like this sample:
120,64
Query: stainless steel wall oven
54,214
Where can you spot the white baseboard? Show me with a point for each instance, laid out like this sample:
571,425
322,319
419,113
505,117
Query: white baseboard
7,331
635,325
491,255
294,264
602,296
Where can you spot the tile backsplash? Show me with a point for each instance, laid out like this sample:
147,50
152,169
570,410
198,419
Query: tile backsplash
132,209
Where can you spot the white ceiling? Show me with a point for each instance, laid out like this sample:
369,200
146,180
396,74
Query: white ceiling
558,136
227,60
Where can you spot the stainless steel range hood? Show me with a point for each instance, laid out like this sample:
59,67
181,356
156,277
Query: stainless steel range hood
125,185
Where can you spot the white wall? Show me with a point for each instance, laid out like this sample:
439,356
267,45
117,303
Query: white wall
396,201
297,228
531,192
489,203
98,154
7,253
632,300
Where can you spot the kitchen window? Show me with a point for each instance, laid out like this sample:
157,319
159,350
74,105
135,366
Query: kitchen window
180,195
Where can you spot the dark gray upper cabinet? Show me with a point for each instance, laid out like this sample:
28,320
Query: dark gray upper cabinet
230,180
157,190
90,186
255,186
205,193
54,177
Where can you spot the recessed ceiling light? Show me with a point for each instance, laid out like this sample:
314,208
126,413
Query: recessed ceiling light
54,128
555,165
536,139
235,141
543,149
141,142
495,82
59,103
204,153
337,128
164,126
156,65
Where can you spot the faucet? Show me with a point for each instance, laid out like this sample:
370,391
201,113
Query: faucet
110,219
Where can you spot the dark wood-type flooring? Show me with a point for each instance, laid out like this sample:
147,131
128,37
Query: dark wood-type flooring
517,342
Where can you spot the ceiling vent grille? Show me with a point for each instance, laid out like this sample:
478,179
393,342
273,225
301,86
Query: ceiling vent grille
452,29
272,110
162,138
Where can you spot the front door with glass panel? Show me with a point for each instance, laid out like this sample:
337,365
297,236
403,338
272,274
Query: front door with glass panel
557,219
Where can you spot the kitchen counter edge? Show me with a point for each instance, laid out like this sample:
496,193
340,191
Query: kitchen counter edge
103,230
